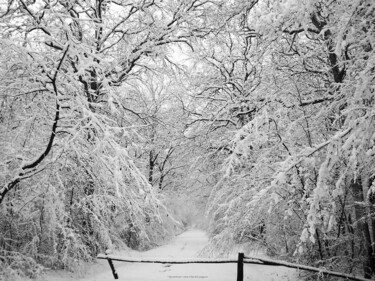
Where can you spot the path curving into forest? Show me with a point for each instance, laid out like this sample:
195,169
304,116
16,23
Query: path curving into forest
186,245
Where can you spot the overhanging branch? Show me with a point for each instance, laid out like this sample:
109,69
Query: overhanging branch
31,165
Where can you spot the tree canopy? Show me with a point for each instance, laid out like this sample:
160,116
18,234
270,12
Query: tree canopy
261,112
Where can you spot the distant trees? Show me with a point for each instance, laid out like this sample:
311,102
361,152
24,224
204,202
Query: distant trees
158,120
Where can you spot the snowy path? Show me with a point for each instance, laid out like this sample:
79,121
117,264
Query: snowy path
184,246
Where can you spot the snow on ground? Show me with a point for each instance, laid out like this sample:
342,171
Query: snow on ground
186,245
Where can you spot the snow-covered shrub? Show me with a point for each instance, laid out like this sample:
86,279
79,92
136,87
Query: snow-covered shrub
15,264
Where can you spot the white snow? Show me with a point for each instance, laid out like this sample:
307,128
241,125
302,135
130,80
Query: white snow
186,245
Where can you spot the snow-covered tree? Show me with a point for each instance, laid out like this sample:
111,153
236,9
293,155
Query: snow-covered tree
70,183
307,139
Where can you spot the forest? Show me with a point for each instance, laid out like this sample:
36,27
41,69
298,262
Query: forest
124,121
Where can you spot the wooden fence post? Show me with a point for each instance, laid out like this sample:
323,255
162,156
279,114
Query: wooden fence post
240,267
112,267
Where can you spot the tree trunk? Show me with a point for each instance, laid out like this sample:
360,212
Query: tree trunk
152,162
161,181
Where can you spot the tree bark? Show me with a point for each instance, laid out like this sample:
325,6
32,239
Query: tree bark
152,162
